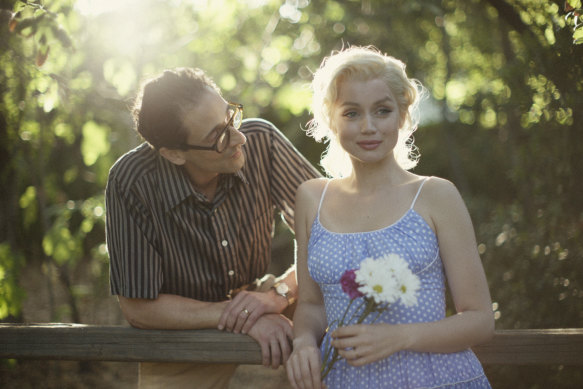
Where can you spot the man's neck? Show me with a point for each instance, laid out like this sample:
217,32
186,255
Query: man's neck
205,183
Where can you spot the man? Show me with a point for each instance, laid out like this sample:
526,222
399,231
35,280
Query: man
190,215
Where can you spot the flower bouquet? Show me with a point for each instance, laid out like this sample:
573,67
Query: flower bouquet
380,282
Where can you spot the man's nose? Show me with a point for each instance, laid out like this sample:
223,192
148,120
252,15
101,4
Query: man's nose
237,137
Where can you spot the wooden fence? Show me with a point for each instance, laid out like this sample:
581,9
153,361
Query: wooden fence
124,344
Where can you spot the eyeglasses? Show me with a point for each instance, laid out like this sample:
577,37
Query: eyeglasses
235,115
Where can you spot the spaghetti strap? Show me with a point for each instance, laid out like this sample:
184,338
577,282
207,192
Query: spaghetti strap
322,197
418,191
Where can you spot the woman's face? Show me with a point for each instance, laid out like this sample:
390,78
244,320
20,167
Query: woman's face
366,119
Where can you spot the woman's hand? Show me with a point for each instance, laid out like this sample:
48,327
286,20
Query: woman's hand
362,344
303,366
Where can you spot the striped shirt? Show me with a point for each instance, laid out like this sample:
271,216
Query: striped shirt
165,237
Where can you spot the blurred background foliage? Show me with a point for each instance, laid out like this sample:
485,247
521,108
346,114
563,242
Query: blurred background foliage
503,122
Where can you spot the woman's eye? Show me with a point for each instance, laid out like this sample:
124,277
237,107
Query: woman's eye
384,111
350,114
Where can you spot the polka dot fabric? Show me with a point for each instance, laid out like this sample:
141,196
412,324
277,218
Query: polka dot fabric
330,254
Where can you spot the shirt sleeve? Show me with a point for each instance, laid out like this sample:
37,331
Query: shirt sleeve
289,169
135,265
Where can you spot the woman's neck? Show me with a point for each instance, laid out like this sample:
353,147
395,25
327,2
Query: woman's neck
368,177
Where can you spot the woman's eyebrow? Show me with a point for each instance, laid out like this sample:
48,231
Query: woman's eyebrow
381,101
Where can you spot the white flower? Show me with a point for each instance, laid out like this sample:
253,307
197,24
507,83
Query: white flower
410,284
387,279
379,287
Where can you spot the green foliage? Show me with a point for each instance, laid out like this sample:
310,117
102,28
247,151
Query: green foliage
10,293
56,158
573,17
504,76
95,142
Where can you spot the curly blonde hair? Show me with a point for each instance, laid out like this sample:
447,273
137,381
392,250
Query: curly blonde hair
364,63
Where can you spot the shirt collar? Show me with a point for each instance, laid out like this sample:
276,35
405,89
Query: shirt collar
175,185
241,176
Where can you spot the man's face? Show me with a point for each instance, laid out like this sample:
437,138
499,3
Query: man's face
205,122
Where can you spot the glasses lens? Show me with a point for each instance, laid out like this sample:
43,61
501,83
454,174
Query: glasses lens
238,118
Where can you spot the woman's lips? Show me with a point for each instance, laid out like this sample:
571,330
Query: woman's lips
369,144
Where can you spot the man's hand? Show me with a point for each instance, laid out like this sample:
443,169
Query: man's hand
246,308
274,333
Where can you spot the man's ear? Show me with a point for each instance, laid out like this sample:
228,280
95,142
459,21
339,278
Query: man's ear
172,155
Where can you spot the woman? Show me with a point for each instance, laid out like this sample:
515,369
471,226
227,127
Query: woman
365,106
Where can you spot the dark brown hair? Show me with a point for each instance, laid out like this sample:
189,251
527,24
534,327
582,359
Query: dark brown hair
164,100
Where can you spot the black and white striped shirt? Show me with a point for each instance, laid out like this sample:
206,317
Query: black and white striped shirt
164,237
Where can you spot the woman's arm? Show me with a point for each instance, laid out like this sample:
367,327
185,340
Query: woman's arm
303,366
474,321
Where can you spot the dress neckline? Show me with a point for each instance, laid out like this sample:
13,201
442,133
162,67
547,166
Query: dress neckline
410,210
381,229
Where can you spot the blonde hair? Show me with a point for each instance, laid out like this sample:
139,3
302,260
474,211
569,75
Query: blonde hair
364,63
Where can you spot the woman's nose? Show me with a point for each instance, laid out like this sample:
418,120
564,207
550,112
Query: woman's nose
368,124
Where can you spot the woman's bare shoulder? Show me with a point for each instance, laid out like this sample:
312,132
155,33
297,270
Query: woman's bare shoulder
441,200
440,187
311,188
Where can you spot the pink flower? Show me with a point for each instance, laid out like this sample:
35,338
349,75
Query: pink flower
349,284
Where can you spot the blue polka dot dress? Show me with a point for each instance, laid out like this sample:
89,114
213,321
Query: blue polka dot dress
330,254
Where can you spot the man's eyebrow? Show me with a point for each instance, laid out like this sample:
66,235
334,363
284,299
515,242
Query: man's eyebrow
216,128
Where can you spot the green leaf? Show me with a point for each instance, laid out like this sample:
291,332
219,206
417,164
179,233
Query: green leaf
120,74
11,295
94,142
295,97
578,36
28,204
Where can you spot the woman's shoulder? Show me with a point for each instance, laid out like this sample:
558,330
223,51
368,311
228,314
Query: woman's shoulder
440,196
308,198
438,186
309,193
312,187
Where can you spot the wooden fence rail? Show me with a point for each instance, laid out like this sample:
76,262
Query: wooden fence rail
124,344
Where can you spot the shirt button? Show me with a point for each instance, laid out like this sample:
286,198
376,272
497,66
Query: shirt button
225,243
231,273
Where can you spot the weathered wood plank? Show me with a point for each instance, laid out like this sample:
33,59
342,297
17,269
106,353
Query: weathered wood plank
125,344
533,347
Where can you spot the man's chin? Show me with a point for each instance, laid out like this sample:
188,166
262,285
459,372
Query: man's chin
237,164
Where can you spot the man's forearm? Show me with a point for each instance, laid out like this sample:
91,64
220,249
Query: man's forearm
171,312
